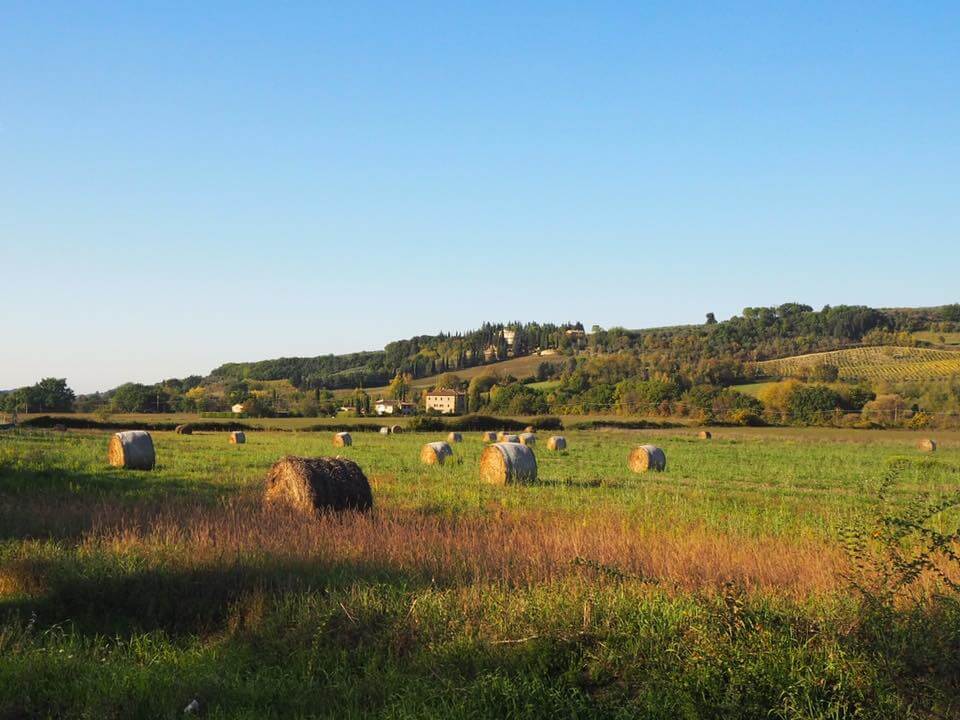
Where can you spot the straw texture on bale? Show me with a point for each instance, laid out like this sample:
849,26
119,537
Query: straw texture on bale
184,430
384,430
435,453
489,436
927,445
503,463
132,449
342,439
508,438
528,438
320,483
647,457
704,435
557,442
238,437
396,429
454,437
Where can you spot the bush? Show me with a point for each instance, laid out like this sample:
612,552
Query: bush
745,417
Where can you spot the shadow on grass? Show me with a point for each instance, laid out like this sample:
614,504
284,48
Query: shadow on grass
105,598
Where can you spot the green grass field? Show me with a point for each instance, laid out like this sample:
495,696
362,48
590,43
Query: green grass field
874,363
718,589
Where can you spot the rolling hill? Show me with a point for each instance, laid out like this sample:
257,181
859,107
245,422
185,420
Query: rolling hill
873,363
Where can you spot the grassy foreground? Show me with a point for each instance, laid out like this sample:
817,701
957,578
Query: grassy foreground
719,589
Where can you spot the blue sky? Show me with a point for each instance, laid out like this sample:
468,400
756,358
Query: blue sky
185,184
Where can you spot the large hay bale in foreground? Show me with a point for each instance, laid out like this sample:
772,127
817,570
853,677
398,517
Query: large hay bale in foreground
506,462
454,437
557,442
238,437
528,438
342,439
384,430
927,445
186,429
489,436
132,450
435,453
704,435
508,438
320,483
647,457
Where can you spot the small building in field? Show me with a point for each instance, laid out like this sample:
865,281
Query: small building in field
393,407
446,401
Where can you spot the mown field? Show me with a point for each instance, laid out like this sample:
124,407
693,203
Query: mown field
718,589
874,363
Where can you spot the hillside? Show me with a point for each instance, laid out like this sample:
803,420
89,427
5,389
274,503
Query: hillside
520,368
892,364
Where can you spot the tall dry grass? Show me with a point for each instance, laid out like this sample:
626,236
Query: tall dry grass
512,548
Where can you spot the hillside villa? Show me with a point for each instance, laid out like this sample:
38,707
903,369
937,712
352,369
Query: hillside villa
446,401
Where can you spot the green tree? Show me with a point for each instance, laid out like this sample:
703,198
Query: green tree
400,386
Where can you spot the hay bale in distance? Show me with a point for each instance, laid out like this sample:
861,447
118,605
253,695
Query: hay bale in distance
927,445
454,437
342,439
557,442
384,430
320,483
132,450
185,429
238,437
435,453
704,435
528,438
395,429
647,457
506,462
529,429
508,438
489,436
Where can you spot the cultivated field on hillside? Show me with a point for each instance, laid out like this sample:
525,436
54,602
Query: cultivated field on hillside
520,368
591,593
874,363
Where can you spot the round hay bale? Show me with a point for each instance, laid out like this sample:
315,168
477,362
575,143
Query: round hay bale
647,457
384,431
927,445
435,453
320,483
508,438
506,462
557,442
184,429
529,429
528,438
395,429
238,437
454,437
704,435
489,436
132,450
342,439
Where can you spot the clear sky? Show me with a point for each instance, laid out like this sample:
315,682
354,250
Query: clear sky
185,184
